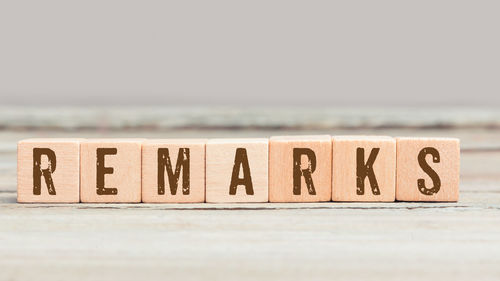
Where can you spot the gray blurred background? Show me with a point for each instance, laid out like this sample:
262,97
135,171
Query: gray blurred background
365,52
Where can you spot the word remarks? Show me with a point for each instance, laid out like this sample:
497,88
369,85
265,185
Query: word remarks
279,169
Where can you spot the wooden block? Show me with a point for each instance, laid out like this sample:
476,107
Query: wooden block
300,169
111,171
48,171
173,171
428,169
364,169
237,170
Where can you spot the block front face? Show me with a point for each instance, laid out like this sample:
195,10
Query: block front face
173,171
363,169
111,171
428,169
48,171
237,170
300,169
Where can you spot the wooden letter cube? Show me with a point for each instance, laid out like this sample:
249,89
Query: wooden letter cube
48,170
111,171
173,171
237,170
300,169
364,169
428,169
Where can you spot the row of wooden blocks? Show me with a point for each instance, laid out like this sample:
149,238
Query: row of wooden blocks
279,169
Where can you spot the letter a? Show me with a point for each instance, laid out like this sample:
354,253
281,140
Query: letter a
241,161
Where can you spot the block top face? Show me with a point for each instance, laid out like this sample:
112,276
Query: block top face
50,140
117,140
175,141
238,141
363,138
298,139
424,139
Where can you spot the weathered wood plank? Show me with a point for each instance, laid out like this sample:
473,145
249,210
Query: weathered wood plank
317,241
268,118
385,241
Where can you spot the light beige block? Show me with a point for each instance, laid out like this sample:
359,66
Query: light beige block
363,169
182,162
428,169
237,170
312,161
111,171
48,171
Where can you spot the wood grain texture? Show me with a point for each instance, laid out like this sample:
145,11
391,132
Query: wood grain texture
264,241
282,165
64,171
445,163
195,173
221,162
344,168
267,241
175,117
122,177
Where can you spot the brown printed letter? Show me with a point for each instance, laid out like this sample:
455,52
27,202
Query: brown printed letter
164,162
38,172
298,172
363,170
429,171
241,160
102,170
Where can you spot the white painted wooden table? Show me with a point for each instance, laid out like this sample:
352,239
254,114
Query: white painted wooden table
324,241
